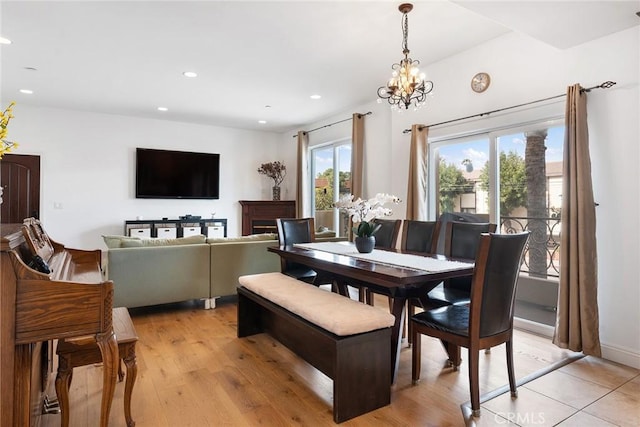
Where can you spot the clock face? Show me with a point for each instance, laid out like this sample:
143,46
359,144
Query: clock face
480,82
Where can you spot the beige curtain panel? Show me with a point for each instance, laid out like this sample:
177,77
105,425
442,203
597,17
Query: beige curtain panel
577,321
357,155
418,160
303,196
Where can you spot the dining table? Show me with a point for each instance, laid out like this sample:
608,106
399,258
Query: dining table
396,274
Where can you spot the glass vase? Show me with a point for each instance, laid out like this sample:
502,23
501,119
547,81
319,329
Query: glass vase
276,192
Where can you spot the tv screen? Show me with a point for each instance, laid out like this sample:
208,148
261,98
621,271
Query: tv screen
165,174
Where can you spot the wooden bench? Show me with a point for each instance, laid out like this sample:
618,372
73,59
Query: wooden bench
74,352
348,341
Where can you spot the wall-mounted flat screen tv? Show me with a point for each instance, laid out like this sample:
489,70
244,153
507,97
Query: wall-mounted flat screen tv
166,174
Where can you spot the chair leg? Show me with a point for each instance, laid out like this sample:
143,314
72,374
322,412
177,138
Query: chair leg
474,382
454,354
510,371
369,295
415,355
411,310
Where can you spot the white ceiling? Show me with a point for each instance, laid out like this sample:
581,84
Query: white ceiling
128,57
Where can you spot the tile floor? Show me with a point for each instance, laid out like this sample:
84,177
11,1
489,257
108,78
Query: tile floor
588,392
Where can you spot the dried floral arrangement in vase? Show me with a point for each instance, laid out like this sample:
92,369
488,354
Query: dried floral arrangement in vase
276,171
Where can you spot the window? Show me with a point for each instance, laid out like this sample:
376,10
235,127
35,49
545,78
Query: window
512,177
325,160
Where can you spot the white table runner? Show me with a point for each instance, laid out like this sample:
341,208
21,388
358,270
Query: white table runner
392,258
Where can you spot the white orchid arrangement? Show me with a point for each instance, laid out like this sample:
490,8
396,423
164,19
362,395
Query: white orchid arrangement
363,212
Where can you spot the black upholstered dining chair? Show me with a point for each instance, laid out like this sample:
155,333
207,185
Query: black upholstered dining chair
461,241
291,231
487,321
420,236
387,235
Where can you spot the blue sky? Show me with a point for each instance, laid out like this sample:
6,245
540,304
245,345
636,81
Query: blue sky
324,159
478,151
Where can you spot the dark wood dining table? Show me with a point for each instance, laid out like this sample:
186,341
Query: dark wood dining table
398,282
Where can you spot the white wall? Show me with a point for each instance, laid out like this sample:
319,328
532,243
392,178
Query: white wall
523,70
88,167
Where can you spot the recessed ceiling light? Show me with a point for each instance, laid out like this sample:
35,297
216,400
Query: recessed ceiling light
315,96
190,74
262,122
27,91
163,109
4,41
30,68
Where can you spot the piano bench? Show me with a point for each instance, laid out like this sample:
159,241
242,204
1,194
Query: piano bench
74,352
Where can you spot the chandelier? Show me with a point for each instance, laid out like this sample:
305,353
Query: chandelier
406,84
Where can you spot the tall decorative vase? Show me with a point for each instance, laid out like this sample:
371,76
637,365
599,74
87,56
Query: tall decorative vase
276,192
364,245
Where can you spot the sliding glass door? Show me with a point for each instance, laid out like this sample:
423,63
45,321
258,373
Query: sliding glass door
331,172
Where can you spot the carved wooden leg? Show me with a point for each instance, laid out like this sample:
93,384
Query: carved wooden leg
132,372
63,380
109,350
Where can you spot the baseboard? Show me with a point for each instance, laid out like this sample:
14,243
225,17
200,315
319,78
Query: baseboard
620,355
610,352
533,327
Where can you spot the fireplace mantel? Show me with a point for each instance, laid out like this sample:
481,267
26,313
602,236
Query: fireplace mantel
259,216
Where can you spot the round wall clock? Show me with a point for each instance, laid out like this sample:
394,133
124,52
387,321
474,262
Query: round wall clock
480,82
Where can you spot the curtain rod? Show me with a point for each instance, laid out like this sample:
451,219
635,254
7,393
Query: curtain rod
335,123
605,85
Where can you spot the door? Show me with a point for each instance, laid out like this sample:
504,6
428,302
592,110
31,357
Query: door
20,180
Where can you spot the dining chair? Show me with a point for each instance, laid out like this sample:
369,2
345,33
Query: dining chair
387,235
487,321
461,241
290,232
420,236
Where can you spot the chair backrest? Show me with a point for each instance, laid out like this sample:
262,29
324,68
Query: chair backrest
387,235
295,230
494,282
420,236
462,240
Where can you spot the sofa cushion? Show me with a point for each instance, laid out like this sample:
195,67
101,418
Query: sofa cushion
116,241
191,240
250,238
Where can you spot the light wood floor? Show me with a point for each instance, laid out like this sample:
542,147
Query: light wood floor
193,371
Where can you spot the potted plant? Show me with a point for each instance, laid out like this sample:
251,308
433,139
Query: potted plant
276,171
362,214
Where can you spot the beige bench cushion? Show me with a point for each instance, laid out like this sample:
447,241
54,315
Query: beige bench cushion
332,312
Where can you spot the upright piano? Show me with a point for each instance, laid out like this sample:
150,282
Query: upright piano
47,292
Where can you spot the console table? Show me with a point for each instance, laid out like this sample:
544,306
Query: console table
259,216
172,228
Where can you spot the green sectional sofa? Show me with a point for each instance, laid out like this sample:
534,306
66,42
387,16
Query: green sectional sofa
160,271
